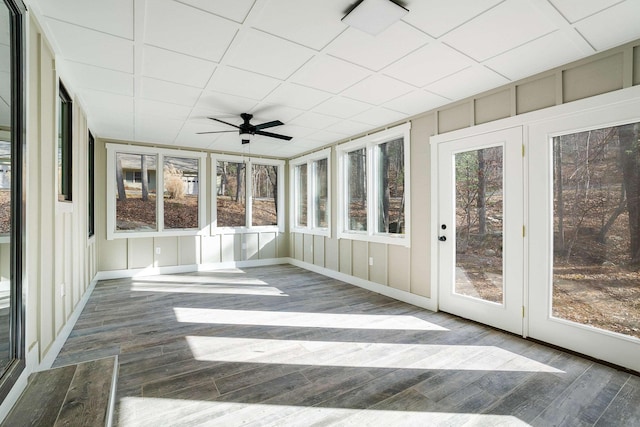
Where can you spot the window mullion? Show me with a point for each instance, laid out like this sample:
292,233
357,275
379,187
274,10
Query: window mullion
372,198
311,207
248,187
160,191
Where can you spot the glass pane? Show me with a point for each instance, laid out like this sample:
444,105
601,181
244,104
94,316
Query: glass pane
64,145
321,188
596,250
357,190
264,200
230,187
301,196
5,190
391,187
136,192
180,192
479,216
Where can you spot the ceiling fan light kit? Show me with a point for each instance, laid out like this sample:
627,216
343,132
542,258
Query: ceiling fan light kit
374,16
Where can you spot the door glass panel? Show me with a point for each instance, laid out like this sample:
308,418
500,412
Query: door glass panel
479,224
596,248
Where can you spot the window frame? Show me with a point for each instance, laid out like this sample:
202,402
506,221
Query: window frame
370,143
91,185
310,160
113,149
248,227
64,143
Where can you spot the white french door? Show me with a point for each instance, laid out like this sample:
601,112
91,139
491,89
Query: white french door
584,285
480,228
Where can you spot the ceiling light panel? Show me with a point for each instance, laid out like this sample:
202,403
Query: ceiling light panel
181,28
375,53
374,16
175,67
311,23
500,29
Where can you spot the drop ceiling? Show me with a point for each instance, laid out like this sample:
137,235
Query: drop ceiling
153,70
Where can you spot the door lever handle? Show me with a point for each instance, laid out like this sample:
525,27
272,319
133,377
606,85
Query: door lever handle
442,238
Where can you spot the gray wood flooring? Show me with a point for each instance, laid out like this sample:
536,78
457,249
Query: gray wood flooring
283,346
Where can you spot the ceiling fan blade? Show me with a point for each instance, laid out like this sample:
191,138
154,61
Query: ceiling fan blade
269,124
273,135
216,131
222,121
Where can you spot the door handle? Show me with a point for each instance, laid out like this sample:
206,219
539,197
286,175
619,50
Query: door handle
442,238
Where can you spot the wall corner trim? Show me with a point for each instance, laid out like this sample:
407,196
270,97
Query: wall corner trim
409,298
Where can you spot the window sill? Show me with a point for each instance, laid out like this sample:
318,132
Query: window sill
313,231
114,235
245,230
64,206
388,239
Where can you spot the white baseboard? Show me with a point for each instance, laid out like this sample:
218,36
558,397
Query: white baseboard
56,346
403,296
177,269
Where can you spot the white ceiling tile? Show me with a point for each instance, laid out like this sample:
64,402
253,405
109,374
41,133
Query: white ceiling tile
265,54
265,112
236,10
416,102
428,64
377,90
314,121
542,54
297,96
600,32
91,77
175,67
377,52
436,17
151,108
325,137
118,127
242,83
313,24
575,10
218,104
172,93
181,28
105,103
379,117
294,131
467,82
350,128
342,108
329,74
150,129
113,17
93,47
504,27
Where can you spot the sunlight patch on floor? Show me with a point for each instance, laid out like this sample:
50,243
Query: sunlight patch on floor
304,320
136,411
208,288
362,355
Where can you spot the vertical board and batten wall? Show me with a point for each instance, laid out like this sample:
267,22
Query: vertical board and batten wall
61,259
206,249
409,269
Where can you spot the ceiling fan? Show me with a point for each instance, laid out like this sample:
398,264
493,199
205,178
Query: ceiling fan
247,130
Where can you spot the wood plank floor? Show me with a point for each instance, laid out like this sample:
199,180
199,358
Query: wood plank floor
283,346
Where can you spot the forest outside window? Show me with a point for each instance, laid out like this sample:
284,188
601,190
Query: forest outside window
310,189
65,139
248,194
373,181
136,208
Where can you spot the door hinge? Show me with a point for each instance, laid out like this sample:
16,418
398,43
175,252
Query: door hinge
524,232
523,311
522,150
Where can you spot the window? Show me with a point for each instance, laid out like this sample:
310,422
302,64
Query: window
65,142
373,181
137,208
248,194
91,191
310,190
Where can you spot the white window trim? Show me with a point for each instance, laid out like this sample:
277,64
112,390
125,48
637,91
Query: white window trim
248,161
309,160
369,142
161,153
